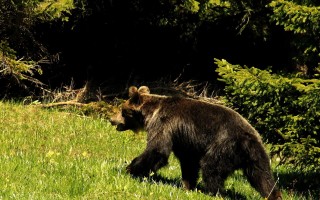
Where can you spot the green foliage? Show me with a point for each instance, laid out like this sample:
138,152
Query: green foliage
192,15
285,110
18,45
191,6
17,69
22,15
303,21
54,9
254,20
297,18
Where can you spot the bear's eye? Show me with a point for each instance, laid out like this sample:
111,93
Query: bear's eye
127,113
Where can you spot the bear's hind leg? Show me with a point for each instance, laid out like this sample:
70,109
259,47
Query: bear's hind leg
215,169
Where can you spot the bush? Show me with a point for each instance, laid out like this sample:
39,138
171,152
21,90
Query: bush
16,71
284,109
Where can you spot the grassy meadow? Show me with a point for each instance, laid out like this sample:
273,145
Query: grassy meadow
49,154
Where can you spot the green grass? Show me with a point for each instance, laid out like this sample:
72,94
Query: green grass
47,154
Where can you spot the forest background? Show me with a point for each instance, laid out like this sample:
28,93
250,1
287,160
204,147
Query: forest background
261,57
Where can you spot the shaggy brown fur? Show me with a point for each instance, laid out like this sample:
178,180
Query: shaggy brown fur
203,136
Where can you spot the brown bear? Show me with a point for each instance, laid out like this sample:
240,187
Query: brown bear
203,136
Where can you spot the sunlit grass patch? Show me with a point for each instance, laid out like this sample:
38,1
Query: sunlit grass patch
49,154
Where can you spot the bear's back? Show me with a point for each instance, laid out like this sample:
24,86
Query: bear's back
199,113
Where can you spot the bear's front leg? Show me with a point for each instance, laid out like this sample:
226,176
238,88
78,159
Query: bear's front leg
136,168
148,161
155,155
190,171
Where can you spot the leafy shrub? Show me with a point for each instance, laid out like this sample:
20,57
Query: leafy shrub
302,19
285,110
17,70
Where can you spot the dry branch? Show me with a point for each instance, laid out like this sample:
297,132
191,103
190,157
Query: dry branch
63,104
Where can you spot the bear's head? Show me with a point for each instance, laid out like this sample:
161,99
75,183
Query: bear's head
130,117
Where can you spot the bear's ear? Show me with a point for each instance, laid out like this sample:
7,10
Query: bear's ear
144,90
133,91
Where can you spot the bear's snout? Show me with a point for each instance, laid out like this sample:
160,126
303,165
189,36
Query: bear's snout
116,119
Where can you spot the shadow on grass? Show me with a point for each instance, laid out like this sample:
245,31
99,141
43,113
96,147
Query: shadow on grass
176,182
301,184
305,184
